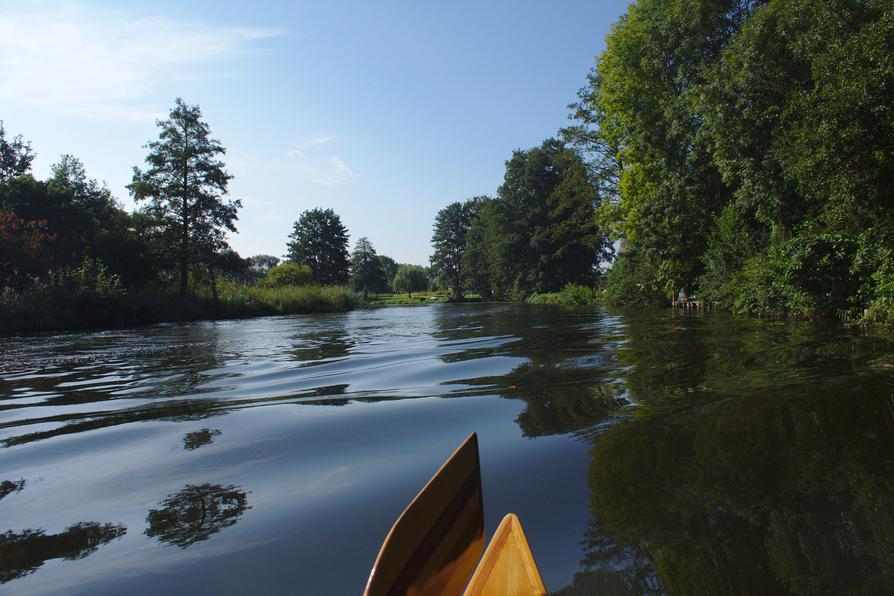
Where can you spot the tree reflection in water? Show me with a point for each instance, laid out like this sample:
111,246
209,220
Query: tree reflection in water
23,552
199,438
768,494
11,486
196,512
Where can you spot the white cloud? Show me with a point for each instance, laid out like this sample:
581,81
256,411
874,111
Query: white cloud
316,140
90,64
325,170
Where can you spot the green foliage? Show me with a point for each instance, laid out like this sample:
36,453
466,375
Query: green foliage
320,241
541,232
746,151
571,294
15,156
56,303
811,275
78,297
633,281
366,268
478,254
186,185
389,270
409,279
287,274
259,265
449,242
731,243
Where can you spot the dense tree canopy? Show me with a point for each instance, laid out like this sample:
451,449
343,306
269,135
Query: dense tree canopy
366,268
186,185
449,242
541,232
409,279
389,269
744,151
288,274
320,241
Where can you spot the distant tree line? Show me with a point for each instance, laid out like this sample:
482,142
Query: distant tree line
72,256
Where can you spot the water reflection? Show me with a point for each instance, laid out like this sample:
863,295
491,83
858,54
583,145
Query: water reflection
11,486
721,455
769,494
23,552
199,438
195,513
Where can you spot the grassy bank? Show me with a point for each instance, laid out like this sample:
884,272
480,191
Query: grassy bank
385,299
417,298
53,307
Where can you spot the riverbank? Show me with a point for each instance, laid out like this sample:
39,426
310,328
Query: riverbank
416,298
49,307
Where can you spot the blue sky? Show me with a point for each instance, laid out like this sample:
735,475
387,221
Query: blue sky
384,111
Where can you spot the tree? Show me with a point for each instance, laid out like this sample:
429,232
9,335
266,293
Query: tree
366,268
186,184
288,274
15,156
261,264
409,279
389,267
542,232
320,241
480,242
636,121
449,242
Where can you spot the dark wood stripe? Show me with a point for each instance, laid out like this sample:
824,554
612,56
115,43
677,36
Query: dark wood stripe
469,489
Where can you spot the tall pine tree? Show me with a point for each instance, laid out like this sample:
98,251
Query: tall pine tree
186,184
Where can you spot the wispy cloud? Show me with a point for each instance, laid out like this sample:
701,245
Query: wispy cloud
325,170
80,61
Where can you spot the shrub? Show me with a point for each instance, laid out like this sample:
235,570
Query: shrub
287,274
571,294
633,281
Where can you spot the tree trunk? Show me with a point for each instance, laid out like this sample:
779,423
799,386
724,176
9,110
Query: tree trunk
365,293
184,243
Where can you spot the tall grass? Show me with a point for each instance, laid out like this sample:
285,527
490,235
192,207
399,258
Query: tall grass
47,306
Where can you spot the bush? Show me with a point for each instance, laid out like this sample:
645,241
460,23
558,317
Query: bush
879,314
287,274
810,275
571,294
632,281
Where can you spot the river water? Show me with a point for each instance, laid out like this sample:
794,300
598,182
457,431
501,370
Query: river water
644,452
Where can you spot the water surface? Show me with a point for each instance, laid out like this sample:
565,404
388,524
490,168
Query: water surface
644,452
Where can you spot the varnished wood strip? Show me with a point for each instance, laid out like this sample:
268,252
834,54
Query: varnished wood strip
426,550
507,567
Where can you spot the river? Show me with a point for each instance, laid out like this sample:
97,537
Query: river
644,452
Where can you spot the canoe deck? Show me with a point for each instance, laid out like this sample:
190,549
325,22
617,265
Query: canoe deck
507,566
